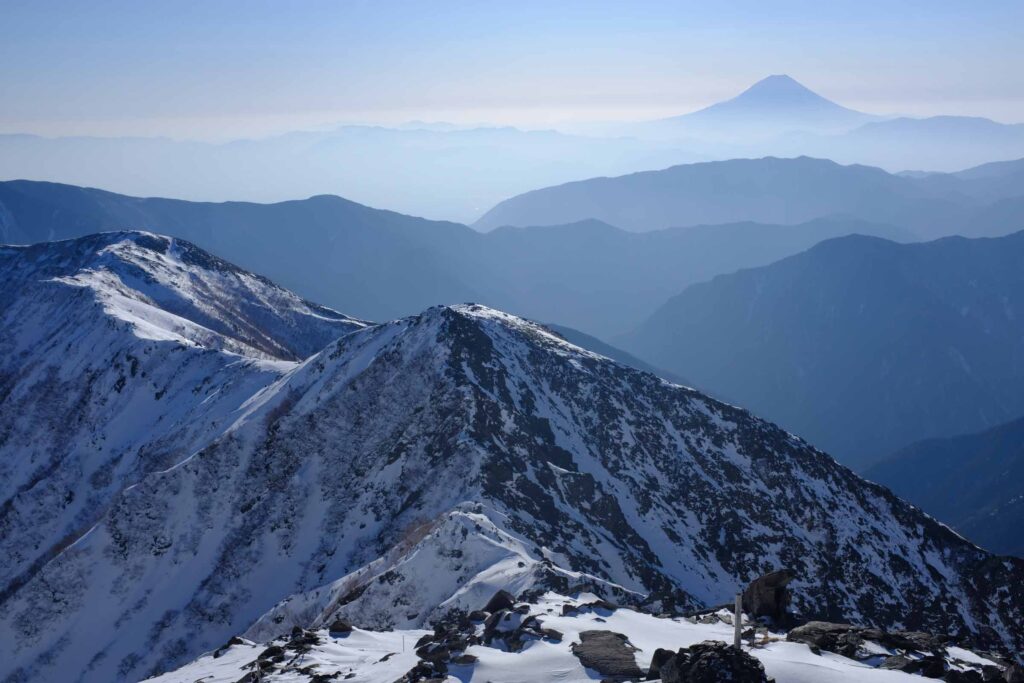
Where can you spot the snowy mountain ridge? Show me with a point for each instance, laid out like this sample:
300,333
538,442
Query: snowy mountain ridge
120,354
406,469
194,296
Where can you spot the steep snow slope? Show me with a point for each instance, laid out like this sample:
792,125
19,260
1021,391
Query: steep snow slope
465,449
363,656
120,355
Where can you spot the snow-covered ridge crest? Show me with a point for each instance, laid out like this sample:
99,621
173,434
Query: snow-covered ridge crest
537,641
455,562
169,288
122,354
471,417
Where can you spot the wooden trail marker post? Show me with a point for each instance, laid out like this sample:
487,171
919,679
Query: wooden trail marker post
737,621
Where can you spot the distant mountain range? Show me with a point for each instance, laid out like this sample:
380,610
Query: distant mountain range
164,490
772,190
937,143
972,482
380,265
455,172
860,345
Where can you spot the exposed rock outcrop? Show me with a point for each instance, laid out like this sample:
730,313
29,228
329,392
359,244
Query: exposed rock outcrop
768,596
609,654
712,662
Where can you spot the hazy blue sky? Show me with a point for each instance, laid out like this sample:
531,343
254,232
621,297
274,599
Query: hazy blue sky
220,69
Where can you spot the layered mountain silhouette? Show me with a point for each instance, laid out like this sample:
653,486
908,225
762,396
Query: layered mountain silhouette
768,190
448,174
937,143
971,482
379,265
407,469
860,345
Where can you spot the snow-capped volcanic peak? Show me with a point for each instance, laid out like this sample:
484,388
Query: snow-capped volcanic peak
775,104
171,289
780,90
467,450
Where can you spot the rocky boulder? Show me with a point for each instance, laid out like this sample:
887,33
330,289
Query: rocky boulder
842,639
912,651
712,662
609,654
501,600
340,626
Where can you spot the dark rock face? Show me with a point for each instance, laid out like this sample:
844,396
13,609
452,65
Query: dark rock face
768,596
991,673
1014,674
661,655
842,639
609,654
909,640
971,676
501,600
712,662
932,666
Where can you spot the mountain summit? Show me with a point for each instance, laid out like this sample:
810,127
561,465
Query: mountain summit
774,105
780,91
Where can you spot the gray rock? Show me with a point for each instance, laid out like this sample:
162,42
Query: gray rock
609,654
842,639
907,640
898,663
